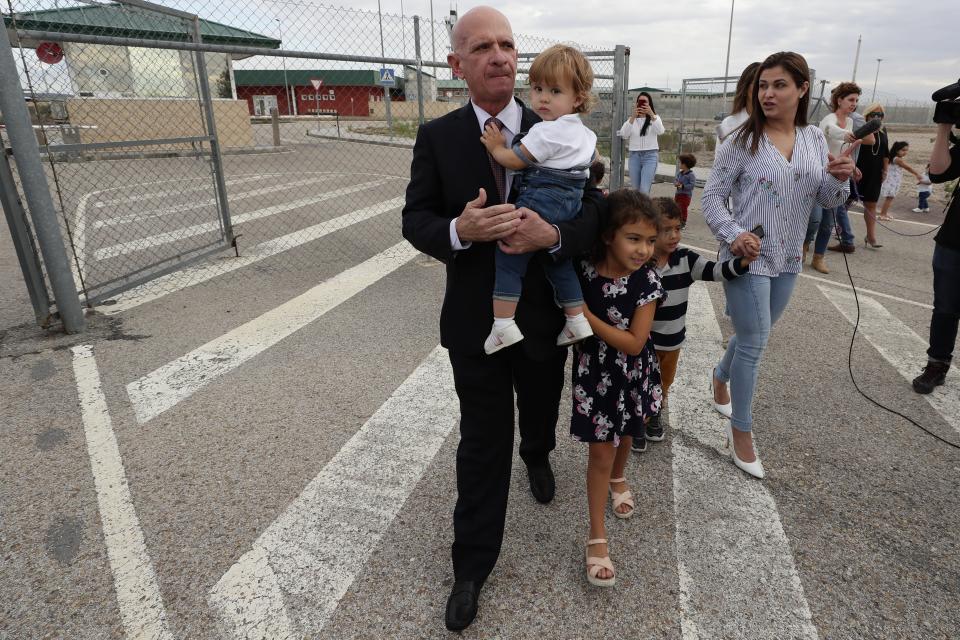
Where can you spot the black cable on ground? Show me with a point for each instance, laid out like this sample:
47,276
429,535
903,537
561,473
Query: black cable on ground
853,379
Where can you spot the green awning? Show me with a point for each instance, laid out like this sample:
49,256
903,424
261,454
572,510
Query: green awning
128,22
301,77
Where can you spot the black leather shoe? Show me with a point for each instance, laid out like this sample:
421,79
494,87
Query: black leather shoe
933,375
542,484
462,604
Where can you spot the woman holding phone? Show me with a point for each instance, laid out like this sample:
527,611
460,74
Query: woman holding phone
776,167
641,132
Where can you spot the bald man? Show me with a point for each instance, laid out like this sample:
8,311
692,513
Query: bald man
456,210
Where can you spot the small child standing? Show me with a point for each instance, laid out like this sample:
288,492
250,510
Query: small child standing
555,156
924,188
615,376
678,268
684,183
891,184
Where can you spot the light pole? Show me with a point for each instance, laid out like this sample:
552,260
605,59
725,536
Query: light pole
856,59
726,68
286,87
873,97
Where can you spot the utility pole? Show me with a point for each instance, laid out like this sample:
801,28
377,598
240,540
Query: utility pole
874,96
726,68
856,59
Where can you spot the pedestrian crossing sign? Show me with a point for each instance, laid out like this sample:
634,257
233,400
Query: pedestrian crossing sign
387,78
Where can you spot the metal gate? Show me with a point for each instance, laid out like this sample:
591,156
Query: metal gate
172,228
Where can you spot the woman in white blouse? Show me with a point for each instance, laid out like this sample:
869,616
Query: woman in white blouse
742,103
775,167
837,127
641,132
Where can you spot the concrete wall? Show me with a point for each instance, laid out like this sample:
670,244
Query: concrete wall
145,119
410,111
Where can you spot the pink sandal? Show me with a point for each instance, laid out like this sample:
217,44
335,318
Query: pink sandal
621,498
596,563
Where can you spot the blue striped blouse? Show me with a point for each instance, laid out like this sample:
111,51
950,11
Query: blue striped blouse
768,190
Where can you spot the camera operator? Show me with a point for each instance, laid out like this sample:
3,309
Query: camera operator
944,166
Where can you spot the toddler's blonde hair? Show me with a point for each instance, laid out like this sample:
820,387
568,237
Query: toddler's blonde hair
561,63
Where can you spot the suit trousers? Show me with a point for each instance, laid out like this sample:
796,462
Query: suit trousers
485,386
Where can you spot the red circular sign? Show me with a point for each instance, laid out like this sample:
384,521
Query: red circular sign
49,52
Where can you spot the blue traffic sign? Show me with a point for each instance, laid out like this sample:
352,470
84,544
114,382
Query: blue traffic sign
387,77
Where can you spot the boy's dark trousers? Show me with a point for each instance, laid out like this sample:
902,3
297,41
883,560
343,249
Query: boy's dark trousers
923,195
683,201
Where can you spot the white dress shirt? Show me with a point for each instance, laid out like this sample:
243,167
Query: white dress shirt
510,118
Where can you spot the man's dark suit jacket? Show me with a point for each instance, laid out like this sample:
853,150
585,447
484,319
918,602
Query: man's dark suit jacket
449,166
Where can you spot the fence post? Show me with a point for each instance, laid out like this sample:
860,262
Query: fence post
275,125
621,66
23,242
683,105
37,191
416,45
215,154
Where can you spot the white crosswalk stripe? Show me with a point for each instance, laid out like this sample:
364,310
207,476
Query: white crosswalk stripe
176,381
318,546
732,553
900,346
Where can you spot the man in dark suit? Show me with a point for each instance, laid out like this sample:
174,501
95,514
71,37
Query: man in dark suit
456,208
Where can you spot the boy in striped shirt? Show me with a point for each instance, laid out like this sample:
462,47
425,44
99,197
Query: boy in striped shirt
678,267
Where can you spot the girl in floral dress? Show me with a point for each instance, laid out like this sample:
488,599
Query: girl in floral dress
616,377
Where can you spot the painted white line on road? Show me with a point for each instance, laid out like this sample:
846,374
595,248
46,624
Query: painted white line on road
249,600
163,194
711,254
887,222
900,346
191,276
153,214
736,570
138,593
319,545
78,265
176,381
140,244
79,238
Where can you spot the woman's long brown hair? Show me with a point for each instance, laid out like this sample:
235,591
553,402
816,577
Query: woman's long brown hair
744,83
796,66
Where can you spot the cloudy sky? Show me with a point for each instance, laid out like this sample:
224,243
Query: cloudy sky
675,39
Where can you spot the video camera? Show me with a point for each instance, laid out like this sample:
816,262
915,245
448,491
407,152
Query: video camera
948,105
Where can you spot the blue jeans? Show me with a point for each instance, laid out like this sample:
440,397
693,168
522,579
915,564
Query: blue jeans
754,304
922,196
843,225
555,195
819,227
643,167
946,303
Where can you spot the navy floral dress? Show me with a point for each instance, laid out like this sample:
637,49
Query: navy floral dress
614,393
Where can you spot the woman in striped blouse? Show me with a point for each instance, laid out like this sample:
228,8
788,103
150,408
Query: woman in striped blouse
775,167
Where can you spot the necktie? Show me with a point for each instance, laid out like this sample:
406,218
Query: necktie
499,173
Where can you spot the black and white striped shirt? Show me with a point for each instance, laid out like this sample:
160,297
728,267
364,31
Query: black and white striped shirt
683,267
768,190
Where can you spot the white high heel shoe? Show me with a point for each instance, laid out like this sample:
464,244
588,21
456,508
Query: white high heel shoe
726,410
754,468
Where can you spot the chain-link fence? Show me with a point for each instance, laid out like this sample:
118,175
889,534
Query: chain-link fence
692,113
269,132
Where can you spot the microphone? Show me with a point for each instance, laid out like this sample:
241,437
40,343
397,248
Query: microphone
872,126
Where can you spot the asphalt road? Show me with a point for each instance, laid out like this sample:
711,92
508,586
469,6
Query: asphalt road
264,446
